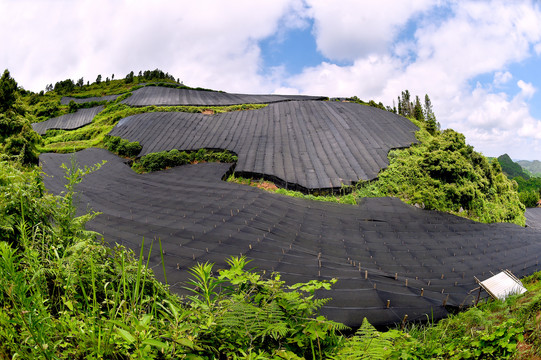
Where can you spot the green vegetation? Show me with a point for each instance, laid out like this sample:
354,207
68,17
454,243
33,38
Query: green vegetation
17,139
65,295
529,188
168,159
493,330
163,159
122,147
532,167
443,173
511,168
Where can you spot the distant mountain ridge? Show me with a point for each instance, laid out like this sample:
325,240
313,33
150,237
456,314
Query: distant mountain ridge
534,167
511,168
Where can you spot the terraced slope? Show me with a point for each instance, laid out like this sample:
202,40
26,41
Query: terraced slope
164,96
391,259
72,121
302,145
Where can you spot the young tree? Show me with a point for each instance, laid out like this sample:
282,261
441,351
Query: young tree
405,104
98,79
431,124
80,82
418,110
129,78
8,91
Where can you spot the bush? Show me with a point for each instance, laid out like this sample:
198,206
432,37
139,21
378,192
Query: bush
443,173
529,198
123,147
164,159
155,161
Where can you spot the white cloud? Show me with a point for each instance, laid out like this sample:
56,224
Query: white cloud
365,78
527,89
205,43
502,77
351,29
537,48
477,38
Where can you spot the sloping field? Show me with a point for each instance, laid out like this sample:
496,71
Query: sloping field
391,259
66,99
303,145
72,121
533,218
164,96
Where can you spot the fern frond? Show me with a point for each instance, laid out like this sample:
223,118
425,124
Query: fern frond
367,343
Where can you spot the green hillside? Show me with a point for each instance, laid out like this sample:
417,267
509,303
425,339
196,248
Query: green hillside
533,167
529,187
64,295
511,168
442,172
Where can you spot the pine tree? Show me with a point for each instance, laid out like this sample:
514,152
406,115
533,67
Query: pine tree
418,110
406,105
431,124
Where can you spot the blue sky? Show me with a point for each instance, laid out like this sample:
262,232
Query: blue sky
479,61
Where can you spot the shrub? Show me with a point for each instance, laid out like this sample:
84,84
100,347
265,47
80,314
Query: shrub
176,158
529,198
443,173
154,161
123,147
166,159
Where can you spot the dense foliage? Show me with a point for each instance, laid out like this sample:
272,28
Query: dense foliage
168,159
443,173
529,188
122,147
511,168
17,139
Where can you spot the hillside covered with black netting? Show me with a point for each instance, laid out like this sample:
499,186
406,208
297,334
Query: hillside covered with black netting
391,259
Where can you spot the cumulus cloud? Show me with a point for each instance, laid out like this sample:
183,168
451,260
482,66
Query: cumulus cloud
352,29
502,77
527,89
537,48
442,59
205,43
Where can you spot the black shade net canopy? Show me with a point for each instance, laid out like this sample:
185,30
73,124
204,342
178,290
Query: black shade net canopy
165,96
71,121
533,217
311,146
390,259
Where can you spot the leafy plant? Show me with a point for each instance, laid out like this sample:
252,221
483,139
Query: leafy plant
368,343
122,147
